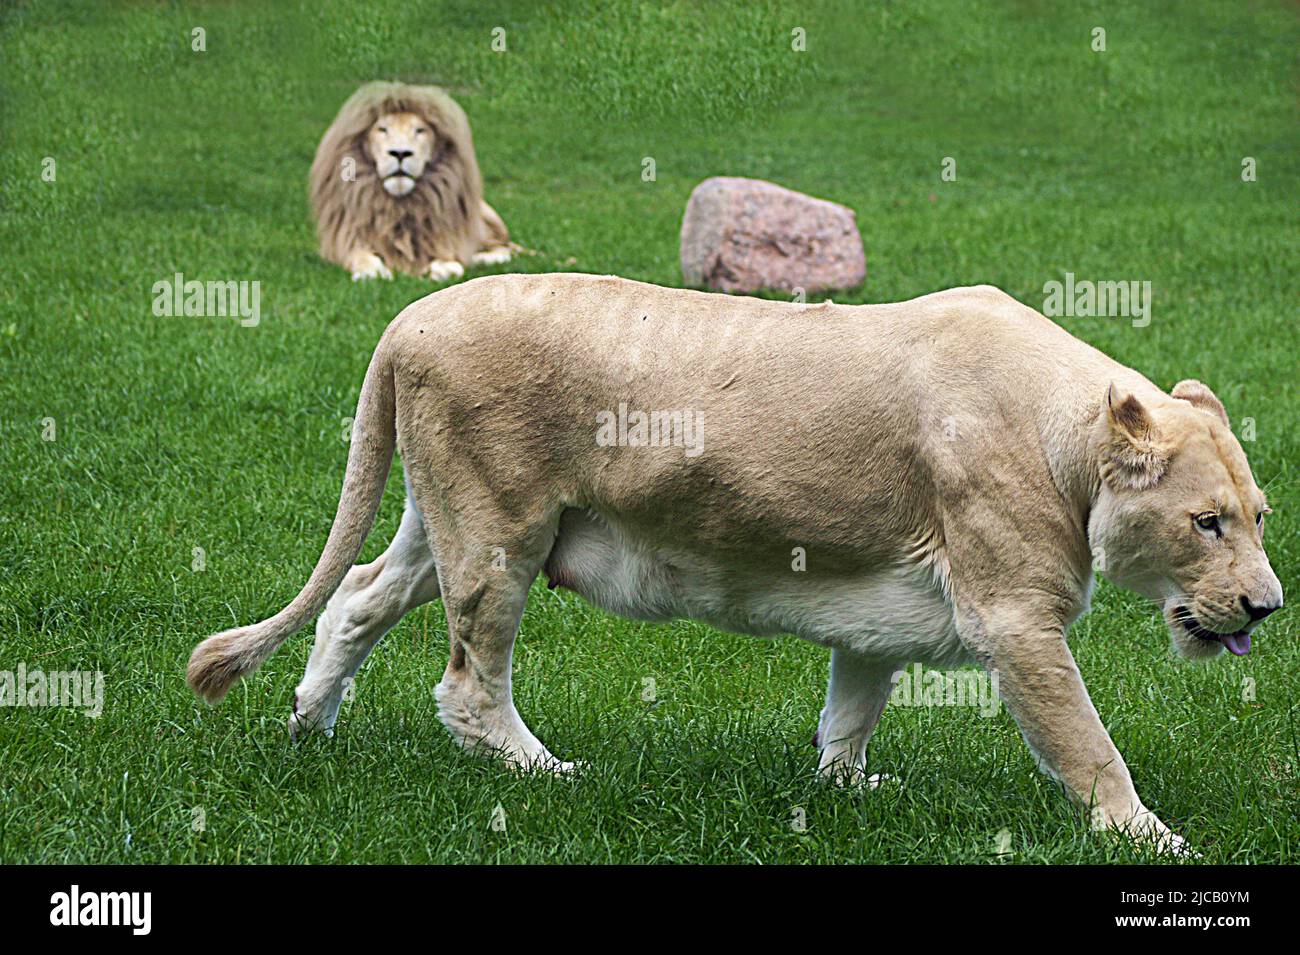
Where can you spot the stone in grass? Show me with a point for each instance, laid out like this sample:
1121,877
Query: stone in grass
742,235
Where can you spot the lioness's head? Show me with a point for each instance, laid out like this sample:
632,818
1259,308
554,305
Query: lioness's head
1180,519
400,146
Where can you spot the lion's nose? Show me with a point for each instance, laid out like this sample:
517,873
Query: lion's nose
1256,613
400,154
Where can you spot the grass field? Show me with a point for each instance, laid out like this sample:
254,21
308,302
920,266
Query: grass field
170,434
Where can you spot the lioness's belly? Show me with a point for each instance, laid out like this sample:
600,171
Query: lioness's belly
894,613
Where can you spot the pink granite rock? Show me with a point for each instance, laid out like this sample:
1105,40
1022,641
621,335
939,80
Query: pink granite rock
742,235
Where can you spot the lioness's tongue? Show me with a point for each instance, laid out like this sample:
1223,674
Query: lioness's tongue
1237,643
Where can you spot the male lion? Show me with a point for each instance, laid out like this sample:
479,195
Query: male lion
951,468
395,185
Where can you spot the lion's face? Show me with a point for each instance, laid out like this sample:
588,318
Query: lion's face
400,145
1180,519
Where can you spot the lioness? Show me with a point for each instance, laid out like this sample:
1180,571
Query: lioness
951,469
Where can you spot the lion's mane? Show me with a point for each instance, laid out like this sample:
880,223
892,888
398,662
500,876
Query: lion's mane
441,218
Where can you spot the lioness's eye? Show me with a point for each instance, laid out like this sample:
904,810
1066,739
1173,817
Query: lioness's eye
420,130
383,129
1209,521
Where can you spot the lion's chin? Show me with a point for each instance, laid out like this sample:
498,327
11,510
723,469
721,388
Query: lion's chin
399,185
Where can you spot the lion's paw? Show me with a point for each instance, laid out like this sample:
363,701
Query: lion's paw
371,267
440,270
498,256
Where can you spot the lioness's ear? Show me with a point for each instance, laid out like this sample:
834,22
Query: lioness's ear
1131,456
1201,396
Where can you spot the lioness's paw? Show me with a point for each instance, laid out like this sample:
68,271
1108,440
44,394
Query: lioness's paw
442,270
1167,842
1176,845
1147,829
542,763
300,724
842,767
497,256
855,778
371,267
550,764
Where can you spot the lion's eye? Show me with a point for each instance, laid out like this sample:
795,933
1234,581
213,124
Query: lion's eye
421,131
1209,521
383,129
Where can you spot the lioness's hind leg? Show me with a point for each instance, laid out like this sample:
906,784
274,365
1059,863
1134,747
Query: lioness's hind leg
371,599
858,691
486,570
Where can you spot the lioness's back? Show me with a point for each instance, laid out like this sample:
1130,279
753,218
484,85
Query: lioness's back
681,343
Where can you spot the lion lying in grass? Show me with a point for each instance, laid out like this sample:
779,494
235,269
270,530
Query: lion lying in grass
395,186
947,473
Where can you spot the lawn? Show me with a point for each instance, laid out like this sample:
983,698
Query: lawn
129,440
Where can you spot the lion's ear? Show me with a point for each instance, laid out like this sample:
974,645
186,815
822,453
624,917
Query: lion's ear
1194,392
1131,455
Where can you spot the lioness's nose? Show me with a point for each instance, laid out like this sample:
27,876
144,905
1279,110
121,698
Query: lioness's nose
400,154
1256,613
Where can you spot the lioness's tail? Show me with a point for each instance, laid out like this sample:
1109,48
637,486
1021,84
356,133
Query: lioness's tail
223,658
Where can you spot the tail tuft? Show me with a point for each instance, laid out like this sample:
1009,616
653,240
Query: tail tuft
219,661
223,658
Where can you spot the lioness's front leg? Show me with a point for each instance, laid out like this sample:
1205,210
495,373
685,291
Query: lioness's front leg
364,264
858,691
1041,686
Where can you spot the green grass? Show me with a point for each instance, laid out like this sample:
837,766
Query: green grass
176,433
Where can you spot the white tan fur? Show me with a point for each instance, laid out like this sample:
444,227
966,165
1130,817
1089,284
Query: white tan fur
395,186
949,467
